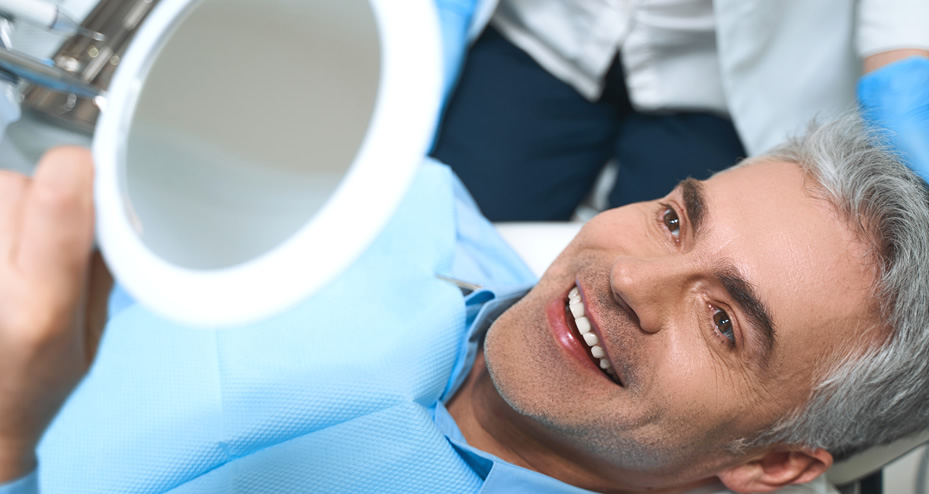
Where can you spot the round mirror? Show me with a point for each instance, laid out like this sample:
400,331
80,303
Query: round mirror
246,124
251,149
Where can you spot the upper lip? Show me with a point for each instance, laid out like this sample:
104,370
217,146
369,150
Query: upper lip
595,327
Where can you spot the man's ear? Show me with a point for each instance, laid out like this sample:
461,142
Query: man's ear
775,469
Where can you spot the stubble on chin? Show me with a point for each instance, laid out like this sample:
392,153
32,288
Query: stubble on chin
511,355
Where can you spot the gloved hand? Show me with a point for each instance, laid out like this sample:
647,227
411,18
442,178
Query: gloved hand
896,97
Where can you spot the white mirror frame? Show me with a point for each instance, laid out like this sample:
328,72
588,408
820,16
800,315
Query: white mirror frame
397,139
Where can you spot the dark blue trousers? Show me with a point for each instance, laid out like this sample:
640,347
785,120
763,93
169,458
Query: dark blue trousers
529,147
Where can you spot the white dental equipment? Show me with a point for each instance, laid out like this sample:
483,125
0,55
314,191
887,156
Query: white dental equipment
15,66
44,14
9,97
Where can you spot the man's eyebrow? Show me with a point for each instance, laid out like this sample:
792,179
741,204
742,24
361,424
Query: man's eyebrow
729,277
694,202
747,299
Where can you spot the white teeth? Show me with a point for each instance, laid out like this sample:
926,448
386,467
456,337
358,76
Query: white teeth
576,306
591,339
583,324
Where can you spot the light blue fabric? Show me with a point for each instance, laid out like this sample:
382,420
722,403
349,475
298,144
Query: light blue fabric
455,18
341,394
26,485
896,98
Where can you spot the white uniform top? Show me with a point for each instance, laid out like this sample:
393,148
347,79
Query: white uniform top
771,65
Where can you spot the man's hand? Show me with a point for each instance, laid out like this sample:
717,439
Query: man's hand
46,237
895,96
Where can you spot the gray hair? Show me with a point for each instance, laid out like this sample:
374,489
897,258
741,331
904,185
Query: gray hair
881,392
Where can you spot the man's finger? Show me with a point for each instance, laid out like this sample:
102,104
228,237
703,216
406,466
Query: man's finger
12,187
57,228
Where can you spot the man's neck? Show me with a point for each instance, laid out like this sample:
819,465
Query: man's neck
468,407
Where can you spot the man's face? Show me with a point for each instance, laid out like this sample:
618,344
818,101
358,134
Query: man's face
716,307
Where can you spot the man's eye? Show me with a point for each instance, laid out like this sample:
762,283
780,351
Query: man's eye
671,221
723,325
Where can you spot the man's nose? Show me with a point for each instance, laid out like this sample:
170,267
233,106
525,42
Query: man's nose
651,289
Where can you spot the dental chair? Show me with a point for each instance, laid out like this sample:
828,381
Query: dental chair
539,243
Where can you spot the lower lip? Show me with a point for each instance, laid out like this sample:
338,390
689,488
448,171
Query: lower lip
566,337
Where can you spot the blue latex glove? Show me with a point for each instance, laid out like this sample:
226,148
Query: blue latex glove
896,98
455,17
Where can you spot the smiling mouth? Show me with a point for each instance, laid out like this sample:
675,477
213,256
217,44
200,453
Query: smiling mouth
574,307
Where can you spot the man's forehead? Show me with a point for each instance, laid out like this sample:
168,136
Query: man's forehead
762,188
776,181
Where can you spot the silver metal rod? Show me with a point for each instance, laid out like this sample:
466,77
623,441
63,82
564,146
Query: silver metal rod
43,74
65,24
464,285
